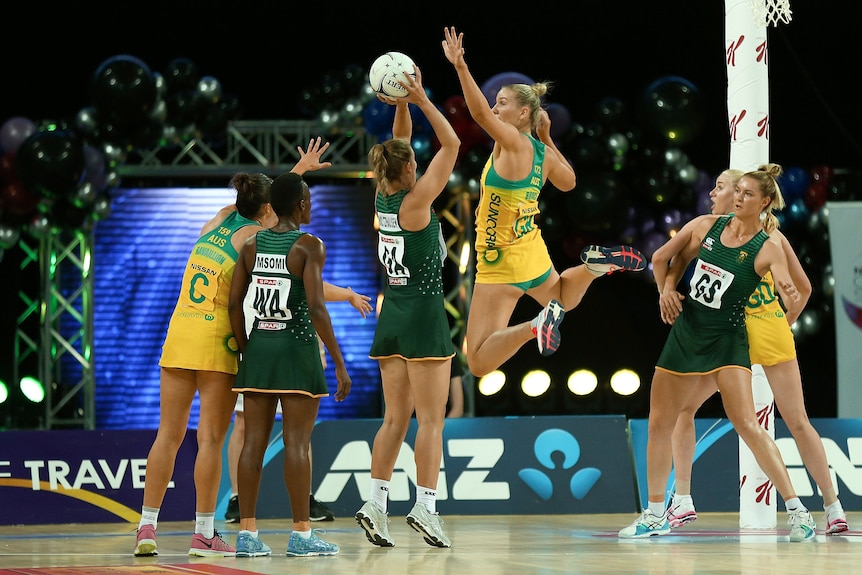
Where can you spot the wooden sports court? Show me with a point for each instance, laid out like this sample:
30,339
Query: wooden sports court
481,545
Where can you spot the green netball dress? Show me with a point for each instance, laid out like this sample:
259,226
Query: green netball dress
413,324
282,354
710,332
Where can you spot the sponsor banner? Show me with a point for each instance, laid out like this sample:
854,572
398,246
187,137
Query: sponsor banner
517,465
715,483
82,476
844,218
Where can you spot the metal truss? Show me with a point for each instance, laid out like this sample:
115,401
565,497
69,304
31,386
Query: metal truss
254,146
58,327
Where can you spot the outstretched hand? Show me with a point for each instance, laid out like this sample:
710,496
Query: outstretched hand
309,159
453,46
360,301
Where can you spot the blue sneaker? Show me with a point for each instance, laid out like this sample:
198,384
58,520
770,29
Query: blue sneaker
646,525
801,525
548,327
601,260
314,545
247,545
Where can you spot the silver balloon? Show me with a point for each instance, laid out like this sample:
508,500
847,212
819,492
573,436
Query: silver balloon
113,154
210,88
161,86
828,281
159,112
84,195
8,236
112,180
102,207
40,226
86,122
618,144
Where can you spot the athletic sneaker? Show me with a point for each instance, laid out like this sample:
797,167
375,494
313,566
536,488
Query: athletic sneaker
836,522
375,523
145,546
318,511
429,525
678,514
801,525
298,546
247,545
215,547
603,260
548,327
647,525
232,513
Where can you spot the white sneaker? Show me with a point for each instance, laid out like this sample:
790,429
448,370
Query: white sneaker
647,525
429,525
801,525
836,521
375,523
681,512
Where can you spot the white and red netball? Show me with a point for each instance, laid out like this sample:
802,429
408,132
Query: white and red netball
388,71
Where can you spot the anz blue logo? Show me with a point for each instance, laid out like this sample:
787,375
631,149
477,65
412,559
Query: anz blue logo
546,445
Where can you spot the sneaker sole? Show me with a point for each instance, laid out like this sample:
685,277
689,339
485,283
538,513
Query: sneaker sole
615,259
371,532
430,538
680,520
556,311
646,535
253,554
837,528
309,553
210,553
146,550
322,518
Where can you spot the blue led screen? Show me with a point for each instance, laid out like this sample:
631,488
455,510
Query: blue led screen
140,252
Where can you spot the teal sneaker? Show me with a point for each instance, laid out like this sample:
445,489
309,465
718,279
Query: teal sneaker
646,525
801,525
298,546
247,545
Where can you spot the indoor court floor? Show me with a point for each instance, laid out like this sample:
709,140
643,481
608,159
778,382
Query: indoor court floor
481,545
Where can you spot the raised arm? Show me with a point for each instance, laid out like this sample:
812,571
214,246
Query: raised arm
504,134
309,159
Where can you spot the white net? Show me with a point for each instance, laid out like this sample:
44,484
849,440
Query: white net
771,12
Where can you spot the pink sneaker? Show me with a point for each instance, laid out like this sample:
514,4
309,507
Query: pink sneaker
836,522
146,542
215,547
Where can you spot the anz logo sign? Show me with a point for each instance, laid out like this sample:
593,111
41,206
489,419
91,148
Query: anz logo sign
847,467
488,461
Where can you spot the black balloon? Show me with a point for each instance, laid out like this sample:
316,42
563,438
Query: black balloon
124,90
51,163
673,108
181,74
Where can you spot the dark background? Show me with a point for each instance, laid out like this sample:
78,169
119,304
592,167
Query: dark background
267,52
270,55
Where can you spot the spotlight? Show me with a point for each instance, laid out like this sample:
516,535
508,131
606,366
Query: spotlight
535,383
492,383
582,382
32,389
4,392
625,382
